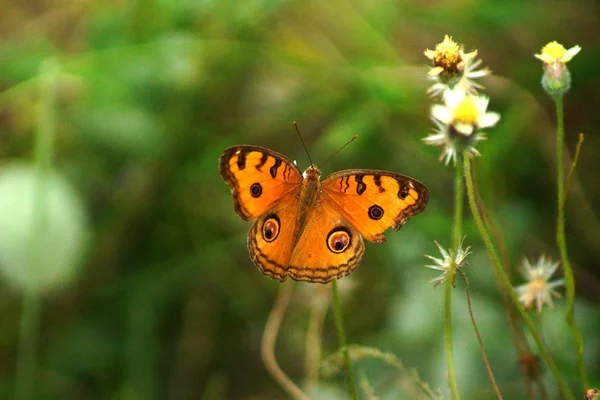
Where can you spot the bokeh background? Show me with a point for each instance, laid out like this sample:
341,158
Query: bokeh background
144,289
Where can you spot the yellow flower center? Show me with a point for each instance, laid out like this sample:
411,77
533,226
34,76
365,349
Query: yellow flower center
538,285
555,50
466,111
447,54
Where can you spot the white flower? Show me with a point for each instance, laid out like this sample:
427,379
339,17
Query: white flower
453,68
555,52
556,80
465,112
449,263
538,290
459,122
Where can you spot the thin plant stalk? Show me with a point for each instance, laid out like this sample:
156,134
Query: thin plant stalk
339,325
32,303
448,338
459,194
479,340
573,166
449,284
561,240
267,346
514,323
545,354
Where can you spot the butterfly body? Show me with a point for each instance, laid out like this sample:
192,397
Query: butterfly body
309,229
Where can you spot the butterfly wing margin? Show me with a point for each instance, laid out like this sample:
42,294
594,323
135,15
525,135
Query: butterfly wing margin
272,174
374,200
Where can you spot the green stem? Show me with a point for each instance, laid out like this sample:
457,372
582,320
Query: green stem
545,354
26,359
25,378
459,194
456,236
562,242
339,325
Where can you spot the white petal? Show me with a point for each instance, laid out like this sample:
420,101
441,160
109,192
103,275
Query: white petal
435,71
550,269
441,113
449,154
554,284
473,151
481,103
545,58
434,141
442,250
453,98
465,129
437,89
478,74
572,52
488,120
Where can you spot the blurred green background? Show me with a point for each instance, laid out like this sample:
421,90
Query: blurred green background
147,288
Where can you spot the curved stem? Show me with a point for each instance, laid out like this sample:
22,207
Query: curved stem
518,336
561,241
267,346
479,340
507,287
339,325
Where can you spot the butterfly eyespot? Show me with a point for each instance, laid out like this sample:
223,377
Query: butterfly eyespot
338,240
270,229
375,212
255,190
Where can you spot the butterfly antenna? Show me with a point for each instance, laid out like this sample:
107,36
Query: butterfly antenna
303,144
340,149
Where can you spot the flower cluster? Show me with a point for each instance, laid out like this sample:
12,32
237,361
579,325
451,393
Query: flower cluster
453,68
538,290
460,120
449,264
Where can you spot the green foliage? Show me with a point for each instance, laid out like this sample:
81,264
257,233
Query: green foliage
166,302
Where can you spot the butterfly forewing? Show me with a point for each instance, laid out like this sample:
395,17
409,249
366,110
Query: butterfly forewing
258,178
374,200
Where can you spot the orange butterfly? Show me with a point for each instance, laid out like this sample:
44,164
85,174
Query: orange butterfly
312,230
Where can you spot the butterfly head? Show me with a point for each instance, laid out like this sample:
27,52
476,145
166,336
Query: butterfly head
312,173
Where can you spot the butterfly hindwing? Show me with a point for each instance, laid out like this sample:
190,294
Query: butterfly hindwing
373,201
271,238
258,178
328,247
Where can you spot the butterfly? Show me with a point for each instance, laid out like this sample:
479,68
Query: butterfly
308,229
